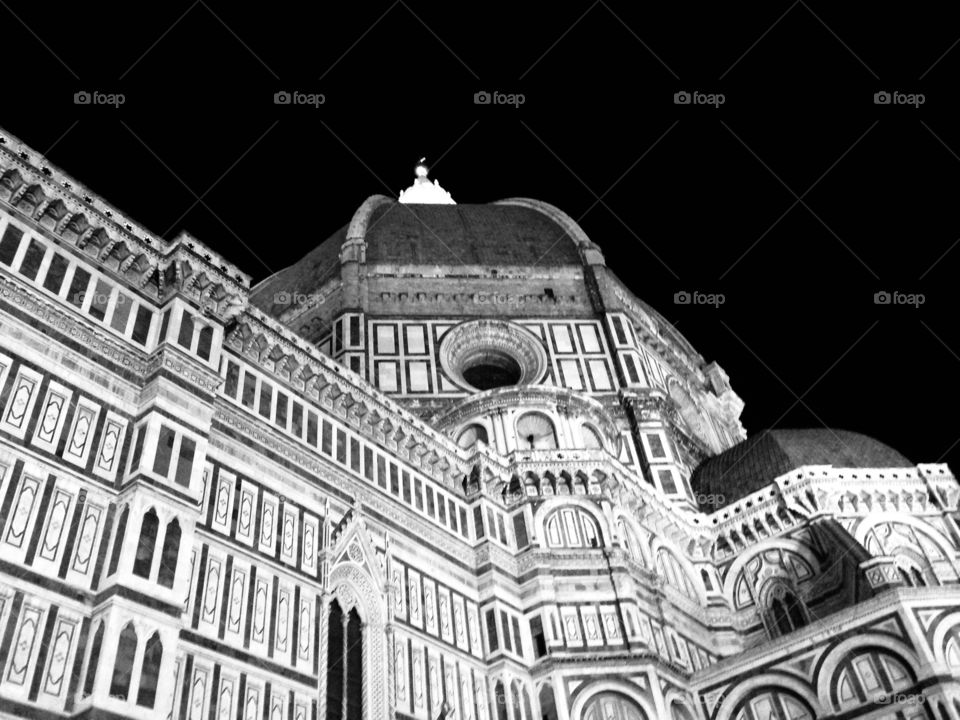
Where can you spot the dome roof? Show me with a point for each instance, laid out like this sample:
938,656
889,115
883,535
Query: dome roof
490,235
754,463
477,240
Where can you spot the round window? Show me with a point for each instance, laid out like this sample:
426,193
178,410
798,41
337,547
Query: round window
488,354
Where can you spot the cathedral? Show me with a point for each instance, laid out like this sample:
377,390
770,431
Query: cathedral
447,466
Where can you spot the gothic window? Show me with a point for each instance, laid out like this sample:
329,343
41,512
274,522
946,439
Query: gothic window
705,576
770,704
123,664
535,431
572,527
470,434
867,676
146,544
205,342
94,660
785,611
168,556
548,705
680,711
671,570
500,700
344,665
118,541
150,671
185,338
612,706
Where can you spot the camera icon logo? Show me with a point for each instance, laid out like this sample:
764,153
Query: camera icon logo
882,297
282,97
682,98
82,97
482,98
882,98
682,298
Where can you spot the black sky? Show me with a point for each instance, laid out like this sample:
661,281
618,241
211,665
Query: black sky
691,198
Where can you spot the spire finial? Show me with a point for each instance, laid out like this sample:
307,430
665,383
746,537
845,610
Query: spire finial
424,190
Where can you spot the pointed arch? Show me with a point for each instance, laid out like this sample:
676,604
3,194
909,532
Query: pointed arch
150,671
357,590
205,342
143,560
169,554
95,647
123,662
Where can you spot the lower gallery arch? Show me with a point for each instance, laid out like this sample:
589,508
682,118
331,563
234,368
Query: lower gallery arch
355,652
612,700
827,666
791,694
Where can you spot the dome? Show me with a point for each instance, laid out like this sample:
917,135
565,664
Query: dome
754,463
491,235
502,244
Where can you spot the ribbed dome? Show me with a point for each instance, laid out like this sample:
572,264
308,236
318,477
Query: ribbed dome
490,235
512,235
754,463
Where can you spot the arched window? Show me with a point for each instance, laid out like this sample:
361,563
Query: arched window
867,675
118,541
612,706
123,664
572,527
500,700
535,431
185,338
168,556
150,671
680,711
591,438
770,704
785,611
707,583
344,665
205,342
470,434
671,570
94,660
148,540
515,701
548,705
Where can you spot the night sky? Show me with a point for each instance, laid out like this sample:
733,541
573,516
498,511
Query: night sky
798,198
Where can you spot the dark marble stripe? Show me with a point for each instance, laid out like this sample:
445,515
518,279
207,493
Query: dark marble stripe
72,534
39,525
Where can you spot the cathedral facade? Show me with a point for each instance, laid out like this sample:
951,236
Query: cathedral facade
447,465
